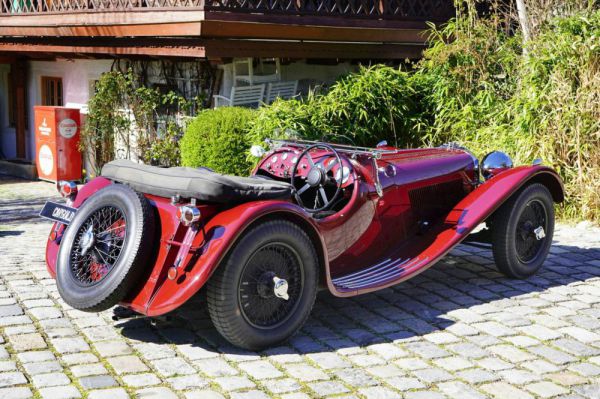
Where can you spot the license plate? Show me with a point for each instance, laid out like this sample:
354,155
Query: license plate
58,212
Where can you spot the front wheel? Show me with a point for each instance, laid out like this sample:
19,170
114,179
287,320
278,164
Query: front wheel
522,232
265,289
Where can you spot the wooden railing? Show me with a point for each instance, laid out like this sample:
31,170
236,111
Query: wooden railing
432,10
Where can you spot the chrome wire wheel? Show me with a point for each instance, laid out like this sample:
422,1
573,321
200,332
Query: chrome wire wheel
98,245
531,231
271,285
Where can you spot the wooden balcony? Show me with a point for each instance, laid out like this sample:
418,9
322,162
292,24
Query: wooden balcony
207,23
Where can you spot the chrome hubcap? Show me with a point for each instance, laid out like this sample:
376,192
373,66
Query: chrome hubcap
87,240
280,288
539,232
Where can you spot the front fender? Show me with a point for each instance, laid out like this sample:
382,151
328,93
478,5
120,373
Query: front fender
221,233
485,199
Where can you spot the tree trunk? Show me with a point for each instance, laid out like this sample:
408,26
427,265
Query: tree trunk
524,22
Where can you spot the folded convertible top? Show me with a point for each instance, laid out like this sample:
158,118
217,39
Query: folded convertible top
202,184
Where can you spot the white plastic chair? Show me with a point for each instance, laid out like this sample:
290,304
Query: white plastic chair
241,95
284,90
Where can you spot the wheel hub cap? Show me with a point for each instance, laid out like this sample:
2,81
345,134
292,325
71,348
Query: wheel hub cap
87,240
539,232
280,288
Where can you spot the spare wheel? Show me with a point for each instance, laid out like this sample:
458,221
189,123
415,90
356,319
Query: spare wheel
102,253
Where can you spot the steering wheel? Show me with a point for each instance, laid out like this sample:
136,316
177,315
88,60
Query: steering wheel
317,178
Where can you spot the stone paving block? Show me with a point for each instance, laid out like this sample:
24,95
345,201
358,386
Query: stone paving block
453,363
42,367
404,383
97,382
379,393
7,365
65,392
424,395
155,393
70,345
304,372
283,385
260,369
328,360
585,369
50,380
545,389
141,380
476,376
127,364
112,348
12,378
459,390
234,383
172,366
356,377
113,393
25,342
204,394
16,393
215,367
502,390
187,382
249,395
325,388
84,370
49,312
79,358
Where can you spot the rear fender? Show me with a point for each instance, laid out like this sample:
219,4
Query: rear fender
84,193
221,233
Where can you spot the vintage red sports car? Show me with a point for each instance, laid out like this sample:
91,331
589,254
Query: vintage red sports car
312,215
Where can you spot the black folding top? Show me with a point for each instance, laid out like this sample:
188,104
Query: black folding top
202,184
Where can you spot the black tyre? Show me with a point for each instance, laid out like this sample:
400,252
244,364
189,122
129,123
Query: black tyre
522,231
102,252
246,296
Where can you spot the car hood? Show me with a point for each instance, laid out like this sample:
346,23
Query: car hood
421,164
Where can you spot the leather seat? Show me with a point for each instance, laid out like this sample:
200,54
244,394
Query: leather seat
202,184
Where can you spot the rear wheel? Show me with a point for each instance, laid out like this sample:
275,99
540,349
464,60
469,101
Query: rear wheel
101,254
265,289
522,231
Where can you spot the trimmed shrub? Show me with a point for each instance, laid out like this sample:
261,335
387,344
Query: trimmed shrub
217,139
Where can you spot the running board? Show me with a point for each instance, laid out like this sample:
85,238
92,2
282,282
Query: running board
379,275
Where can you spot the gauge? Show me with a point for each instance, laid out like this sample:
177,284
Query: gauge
284,156
274,159
342,174
295,159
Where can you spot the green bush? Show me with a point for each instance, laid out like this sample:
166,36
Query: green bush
216,139
363,108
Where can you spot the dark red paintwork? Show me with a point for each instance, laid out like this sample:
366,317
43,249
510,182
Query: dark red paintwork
430,202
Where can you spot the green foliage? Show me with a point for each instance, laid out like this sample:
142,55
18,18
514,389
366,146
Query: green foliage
363,108
217,139
484,91
127,121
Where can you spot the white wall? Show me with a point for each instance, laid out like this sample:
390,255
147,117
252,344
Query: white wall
8,139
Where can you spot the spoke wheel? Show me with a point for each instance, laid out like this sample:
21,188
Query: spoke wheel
522,230
107,249
265,288
260,305
98,245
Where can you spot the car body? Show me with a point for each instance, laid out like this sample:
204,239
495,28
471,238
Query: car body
394,214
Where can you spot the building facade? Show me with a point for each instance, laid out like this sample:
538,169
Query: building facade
52,52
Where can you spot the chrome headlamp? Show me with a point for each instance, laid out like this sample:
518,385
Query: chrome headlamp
495,162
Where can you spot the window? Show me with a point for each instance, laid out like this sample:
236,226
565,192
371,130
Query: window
52,91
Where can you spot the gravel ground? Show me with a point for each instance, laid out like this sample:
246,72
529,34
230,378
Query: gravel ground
459,330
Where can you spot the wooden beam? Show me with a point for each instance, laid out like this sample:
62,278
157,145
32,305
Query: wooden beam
211,48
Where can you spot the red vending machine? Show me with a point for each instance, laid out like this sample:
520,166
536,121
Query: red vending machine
56,143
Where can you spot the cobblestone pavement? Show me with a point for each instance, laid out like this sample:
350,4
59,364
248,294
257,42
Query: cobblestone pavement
459,330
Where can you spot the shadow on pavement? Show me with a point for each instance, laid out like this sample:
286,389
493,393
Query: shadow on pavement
465,279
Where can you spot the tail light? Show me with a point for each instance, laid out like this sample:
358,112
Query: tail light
188,214
67,189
